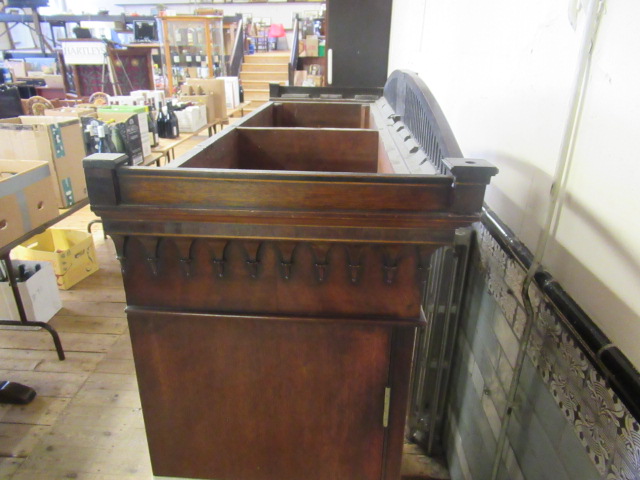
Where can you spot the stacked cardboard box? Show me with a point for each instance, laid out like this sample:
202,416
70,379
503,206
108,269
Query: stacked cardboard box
56,140
216,105
71,112
192,119
27,198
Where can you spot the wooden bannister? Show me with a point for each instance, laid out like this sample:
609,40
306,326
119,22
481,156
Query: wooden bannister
293,61
238,51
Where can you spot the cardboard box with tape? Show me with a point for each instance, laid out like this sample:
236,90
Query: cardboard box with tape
56,140
27,199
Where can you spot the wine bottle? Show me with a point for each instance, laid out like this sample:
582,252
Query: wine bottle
152,125
172,122
22,273
94,136
103,146
161,122
88,140
177,123
116,139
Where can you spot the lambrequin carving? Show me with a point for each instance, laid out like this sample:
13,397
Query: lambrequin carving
387,257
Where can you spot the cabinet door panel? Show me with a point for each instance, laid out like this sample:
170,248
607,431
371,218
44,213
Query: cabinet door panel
248,398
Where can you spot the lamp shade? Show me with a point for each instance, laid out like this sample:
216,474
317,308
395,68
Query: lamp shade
276,30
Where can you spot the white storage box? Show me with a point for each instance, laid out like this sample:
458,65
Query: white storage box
232,91
40,295
129,100
192,119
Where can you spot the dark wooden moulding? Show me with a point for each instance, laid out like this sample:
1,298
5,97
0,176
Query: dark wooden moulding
274,277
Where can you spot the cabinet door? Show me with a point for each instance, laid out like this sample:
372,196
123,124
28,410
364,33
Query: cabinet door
256,398
358,34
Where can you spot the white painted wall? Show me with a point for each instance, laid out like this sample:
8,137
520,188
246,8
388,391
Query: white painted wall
502,71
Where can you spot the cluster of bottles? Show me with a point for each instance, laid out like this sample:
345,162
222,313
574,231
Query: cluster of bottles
166,120
24,274
185,58
187,64
109,136
103,137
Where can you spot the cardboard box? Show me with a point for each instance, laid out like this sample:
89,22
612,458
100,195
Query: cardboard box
154,96
208,101
126,100
299,77
311,43
27,199
39,293
18,67
216,87
53,81
192,119
56,140
314,81
135,130
71,112
71,253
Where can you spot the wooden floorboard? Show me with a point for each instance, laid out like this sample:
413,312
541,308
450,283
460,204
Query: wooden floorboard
86,421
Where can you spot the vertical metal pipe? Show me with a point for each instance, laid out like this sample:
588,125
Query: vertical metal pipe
593,15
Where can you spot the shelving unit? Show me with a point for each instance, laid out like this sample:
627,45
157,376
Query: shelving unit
61,20
193,46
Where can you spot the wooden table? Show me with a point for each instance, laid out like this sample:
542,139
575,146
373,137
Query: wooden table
5,251
240,108
166,146
211,128
153,158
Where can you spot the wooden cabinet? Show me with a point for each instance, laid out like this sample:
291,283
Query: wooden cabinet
193,47
274,279
275,392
